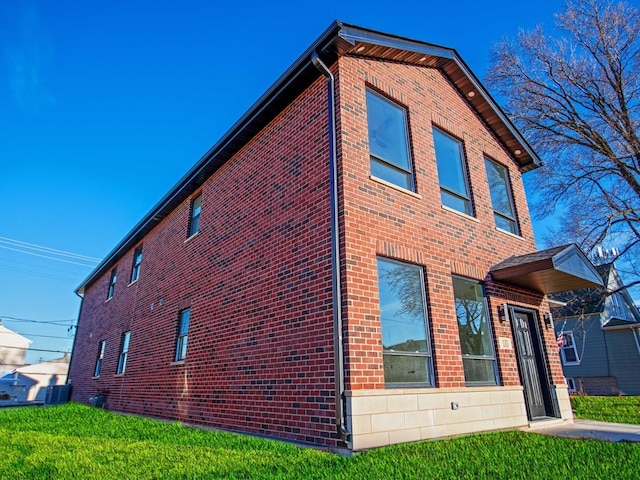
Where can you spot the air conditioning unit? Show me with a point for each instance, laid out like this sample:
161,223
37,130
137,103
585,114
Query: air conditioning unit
57,394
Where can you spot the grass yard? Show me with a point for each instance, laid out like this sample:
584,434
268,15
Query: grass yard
607,409
76,441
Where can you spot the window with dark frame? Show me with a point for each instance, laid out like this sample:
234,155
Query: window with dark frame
112,283
183,334
194,222
501,197
124,353
137,261
452,172
406,344
389,141
102,346
474,330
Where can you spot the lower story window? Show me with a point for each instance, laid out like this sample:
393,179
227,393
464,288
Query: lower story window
571,385
403,317
474,329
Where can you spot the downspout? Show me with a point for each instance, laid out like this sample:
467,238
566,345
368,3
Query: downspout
338,347
75,337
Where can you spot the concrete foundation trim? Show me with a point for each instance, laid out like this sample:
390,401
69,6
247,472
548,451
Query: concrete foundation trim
384,417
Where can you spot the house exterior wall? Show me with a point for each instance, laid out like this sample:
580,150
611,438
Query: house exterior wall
609,359
257,278
383,220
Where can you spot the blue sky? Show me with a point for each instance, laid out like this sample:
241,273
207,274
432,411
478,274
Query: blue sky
104,105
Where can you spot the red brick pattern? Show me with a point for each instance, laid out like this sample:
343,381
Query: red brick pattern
258,280
257,276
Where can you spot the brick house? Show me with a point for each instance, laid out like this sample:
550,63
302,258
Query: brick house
328,271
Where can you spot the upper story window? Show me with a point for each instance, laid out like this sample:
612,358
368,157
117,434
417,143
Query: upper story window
389,141
501,196
112,283
403,316
183,331
569,351
101,348
194,221
619,307
124,353
474,329
137,260
454,187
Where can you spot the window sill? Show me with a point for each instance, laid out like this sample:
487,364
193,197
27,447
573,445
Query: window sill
95,378
394,186
178,362
570,364
108,299
457,212
188,239
119,375
131,283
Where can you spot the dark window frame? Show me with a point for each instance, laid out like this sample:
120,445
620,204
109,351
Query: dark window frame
389,164
124,352
184,319
137,262
102,347
194,215
493,358
112,283
428,353
446,192
511,219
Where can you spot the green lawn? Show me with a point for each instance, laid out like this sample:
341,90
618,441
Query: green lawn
76,441
607,409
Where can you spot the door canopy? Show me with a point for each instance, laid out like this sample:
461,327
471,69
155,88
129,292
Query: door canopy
554,270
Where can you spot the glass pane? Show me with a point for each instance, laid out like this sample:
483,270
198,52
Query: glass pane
402,309
570,355
450,168
405,369
390,174
473,326
125,342
505,224
184,321
499,189
387,131
477,370
455,202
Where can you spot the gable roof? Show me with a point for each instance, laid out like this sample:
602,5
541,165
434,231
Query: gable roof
553,270
338,40
593,301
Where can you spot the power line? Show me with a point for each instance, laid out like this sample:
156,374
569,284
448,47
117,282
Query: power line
34,335
55,251
33,349
47,257
29,320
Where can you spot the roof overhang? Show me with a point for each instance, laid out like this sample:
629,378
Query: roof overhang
558,269
338,40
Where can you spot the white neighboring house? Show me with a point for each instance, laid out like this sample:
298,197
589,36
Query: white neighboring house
26,383
13,347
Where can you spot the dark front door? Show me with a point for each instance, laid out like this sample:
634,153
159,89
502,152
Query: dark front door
531,363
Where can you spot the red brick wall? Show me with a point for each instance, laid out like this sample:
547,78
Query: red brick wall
380,220
257,278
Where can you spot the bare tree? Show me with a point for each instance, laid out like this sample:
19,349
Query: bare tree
576,98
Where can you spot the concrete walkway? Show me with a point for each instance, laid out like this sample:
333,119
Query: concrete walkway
609,432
